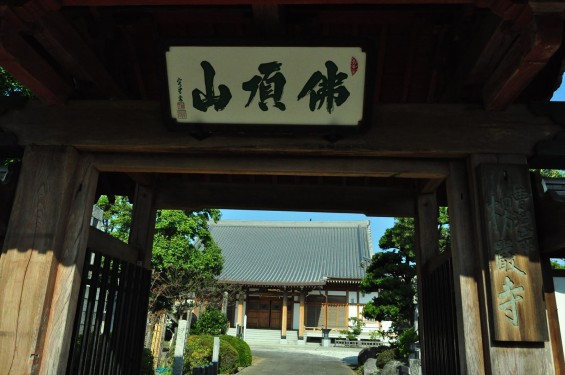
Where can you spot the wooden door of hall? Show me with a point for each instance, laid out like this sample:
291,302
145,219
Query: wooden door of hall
267,314
276,314
258,313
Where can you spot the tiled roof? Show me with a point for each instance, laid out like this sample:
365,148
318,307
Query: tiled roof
292,253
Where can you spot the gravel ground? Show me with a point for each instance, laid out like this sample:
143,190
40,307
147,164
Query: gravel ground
347,355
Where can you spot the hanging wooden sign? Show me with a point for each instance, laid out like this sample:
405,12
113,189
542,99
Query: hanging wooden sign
265,86
517,308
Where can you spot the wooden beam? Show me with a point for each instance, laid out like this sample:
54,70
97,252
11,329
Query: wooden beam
267,18
251,2
547,6
32,70
430,186
105,244
290,166
397,130
527,57
369,200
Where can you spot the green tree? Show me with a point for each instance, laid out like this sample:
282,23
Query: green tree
392,272
552,173
185,260
116,217
9,86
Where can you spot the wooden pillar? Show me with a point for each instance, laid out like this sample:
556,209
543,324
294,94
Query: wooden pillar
141,239
240,309
358,305
465,272
42,260
553,319
284,315
347,308
501,189
143,224
301,317
326,311
427,247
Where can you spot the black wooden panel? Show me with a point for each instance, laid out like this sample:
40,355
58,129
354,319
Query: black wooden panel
110,321
440,322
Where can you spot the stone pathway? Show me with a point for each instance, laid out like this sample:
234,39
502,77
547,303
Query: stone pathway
311,360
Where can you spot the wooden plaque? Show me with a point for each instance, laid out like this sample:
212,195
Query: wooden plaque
266,87
517,309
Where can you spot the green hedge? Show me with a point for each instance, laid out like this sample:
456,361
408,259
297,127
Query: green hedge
242,348
147,362
199,353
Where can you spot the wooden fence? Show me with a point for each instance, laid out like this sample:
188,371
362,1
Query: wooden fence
109,326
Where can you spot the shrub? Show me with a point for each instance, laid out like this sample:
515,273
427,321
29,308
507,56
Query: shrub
386,356
405,341
211,322
243,350
199,353
147,362
376,335
360,370
355,328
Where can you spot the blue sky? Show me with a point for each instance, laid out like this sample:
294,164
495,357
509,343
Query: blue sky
378,224
559,95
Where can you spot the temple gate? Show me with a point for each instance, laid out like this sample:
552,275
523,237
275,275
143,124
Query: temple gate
455,110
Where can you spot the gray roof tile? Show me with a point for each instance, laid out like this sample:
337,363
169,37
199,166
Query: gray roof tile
292,253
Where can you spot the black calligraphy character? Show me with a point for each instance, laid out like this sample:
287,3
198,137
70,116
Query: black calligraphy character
202,101
329,89
269,86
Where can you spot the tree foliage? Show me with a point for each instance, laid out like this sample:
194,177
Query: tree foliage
392,272
116,217
552,173
185,260
211,322
9,86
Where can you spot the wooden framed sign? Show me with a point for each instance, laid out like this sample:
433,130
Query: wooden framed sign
517,308
223,87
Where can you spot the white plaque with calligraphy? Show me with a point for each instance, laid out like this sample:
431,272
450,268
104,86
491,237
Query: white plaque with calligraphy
517,307
315,86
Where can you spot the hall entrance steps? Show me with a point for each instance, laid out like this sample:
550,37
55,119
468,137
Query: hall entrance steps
267,336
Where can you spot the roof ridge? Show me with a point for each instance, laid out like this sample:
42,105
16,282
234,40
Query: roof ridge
282,223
